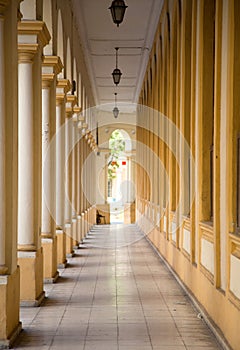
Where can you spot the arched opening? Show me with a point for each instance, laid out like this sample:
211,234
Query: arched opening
60,39
120,176
79,90
47,17
68,63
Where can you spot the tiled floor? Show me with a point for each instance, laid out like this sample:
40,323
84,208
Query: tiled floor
116,294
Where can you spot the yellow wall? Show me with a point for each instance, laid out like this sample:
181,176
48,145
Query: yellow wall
189,102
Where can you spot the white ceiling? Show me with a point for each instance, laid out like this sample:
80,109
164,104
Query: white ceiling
100,36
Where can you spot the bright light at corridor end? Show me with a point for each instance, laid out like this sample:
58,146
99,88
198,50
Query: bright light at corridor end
146,121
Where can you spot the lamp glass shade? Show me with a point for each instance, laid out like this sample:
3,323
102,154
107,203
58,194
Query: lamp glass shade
116,76
118,9
115,112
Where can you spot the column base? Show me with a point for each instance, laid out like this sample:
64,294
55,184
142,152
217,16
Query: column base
62,265
86,222
83,232
49,280
79,218
10,326
69,241
7,344
33,303
61,249
74,232
49,246
70,255
31,277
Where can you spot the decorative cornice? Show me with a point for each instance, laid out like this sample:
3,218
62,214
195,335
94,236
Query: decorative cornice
64,84
72,99
60,99
47,80
77,109
38,28
54,62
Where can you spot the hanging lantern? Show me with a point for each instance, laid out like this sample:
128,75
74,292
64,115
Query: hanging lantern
118,9
116,72
115,112
115,109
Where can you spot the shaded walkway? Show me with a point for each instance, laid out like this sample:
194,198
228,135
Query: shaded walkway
115,294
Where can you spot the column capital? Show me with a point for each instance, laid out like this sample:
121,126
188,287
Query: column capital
51,66
52,62
71,101
26,52
77,109
63,85
60,99
36,31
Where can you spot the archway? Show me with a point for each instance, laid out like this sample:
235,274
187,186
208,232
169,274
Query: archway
120,175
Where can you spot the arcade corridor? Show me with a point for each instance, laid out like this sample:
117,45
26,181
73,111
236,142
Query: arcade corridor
116,294
177,108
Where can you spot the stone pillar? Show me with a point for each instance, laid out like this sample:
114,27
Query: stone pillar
82,203
30,255
63,86
10,326
79,178
74,175
75,184
71,101
84,187
50,68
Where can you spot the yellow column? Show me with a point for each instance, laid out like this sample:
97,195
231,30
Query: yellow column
30,256
79,178
63,86
84,216
51,67
76,111
71,101
10,326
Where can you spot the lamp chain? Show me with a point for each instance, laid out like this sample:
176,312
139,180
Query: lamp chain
116,56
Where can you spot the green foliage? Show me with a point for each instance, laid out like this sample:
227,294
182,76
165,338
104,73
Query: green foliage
117,146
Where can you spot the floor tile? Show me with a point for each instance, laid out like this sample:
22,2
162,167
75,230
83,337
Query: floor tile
114,294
